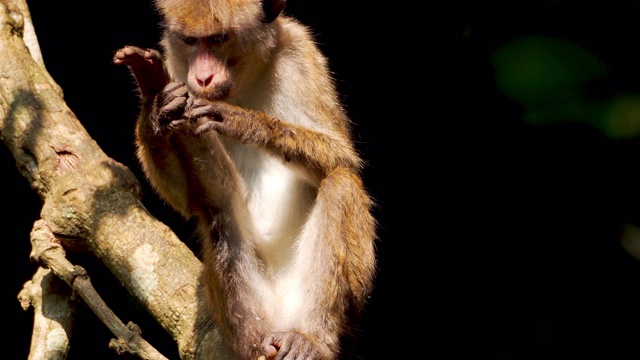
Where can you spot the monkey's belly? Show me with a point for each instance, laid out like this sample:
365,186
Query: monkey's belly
278,202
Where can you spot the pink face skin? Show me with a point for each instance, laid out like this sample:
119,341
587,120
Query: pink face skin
209,66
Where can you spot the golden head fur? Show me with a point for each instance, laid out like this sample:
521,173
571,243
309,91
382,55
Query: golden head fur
198,17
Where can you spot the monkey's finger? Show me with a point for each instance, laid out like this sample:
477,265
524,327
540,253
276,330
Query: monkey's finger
208,110
207,126
173,86
152,55
174,124
198,102
173,105
175,90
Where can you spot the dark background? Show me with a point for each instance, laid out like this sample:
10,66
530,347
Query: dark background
501,146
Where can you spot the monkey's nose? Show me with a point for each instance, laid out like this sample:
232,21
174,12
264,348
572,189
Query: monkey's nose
206,81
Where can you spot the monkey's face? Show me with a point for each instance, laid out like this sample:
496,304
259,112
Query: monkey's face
206,64
219,64
217,51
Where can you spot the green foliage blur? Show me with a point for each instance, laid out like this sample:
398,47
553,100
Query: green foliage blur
551,77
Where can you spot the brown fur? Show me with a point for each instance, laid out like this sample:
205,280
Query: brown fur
268,169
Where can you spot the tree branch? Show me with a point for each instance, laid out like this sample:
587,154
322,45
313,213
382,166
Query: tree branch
94,200
50,254
54,314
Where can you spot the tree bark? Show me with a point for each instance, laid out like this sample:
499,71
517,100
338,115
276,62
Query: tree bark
54,313
91,201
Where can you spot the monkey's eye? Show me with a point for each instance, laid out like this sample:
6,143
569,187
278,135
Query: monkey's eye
189,40
216,40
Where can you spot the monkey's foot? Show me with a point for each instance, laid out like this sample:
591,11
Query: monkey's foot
290,346
147,67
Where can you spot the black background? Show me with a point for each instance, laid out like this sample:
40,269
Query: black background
498,238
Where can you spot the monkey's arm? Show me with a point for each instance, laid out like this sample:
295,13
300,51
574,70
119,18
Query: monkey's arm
322,150
163,103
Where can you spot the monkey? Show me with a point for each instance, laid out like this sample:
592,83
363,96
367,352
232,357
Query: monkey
241,128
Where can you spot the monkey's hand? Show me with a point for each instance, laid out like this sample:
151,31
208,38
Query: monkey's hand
147,67
210,115
167,109
290,346
244,125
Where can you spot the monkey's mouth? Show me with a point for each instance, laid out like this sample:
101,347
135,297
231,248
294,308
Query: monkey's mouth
219,91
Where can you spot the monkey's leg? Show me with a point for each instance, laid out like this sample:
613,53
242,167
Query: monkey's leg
147,67
233,274
337,246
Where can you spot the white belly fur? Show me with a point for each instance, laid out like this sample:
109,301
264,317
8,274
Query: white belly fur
278,203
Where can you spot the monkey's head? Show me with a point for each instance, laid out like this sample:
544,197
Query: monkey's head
215,46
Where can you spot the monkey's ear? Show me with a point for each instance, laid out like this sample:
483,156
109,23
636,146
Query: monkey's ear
271,9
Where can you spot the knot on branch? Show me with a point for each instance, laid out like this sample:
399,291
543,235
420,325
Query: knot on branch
11,19
134,327
78,273
129,341
43,244
119,346
47,251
